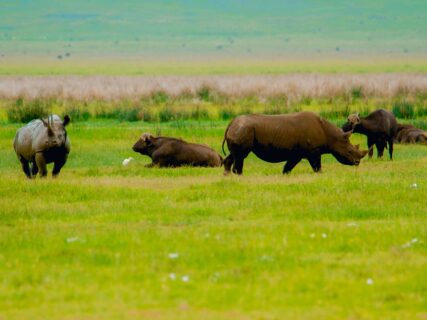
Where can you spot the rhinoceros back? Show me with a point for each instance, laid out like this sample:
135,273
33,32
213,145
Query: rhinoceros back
23,143
303,129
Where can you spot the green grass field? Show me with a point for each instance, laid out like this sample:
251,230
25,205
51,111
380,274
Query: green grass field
211,65
100,242
105,241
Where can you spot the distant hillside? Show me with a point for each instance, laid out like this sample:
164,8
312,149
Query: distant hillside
67,29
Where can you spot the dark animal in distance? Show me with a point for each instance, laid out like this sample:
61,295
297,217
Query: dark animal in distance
379,126
171,152
407,133
40,142
291,138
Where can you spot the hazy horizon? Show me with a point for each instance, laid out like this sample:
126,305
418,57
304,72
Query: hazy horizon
247,29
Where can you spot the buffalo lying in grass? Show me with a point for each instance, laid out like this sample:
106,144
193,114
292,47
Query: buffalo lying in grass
171,152
379,126
407,133
40,142
291,138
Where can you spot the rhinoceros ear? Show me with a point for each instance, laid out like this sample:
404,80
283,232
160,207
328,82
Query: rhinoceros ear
66,120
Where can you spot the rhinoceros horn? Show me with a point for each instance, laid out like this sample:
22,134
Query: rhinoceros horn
48,125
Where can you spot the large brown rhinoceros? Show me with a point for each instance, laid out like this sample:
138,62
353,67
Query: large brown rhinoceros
277,138
40,142
380,126
171,152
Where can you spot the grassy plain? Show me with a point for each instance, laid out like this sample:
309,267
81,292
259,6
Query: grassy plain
96,243
191,28
214,65
105,241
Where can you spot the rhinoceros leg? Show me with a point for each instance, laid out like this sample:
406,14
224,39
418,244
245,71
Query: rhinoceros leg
228,162
34,169
238,165
25,167
315,162
58,164
237,156
41,164
290,164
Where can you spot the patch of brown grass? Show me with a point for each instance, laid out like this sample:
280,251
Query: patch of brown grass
294,86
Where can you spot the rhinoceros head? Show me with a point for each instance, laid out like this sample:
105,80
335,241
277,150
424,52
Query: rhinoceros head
345,152
144,144
56,133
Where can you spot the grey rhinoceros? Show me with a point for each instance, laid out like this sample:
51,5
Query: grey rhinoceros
42,141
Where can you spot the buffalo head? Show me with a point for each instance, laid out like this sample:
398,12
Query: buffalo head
144,144
345,152
352,121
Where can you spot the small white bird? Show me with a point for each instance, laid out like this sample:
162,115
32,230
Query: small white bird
414,186
127,161
173,255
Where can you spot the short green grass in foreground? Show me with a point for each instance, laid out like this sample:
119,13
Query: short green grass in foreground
96,242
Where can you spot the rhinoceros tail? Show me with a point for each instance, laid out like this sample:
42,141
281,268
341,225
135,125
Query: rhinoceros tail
225,135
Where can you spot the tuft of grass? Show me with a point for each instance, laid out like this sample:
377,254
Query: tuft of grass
204,93
403,109
200,114
356,92
166,115
78,113
159,97
227,114
25,111
422,110
335,112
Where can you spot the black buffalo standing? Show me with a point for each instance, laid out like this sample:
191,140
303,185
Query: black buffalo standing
379,126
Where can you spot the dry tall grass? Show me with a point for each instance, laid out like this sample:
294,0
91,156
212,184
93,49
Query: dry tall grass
294,86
